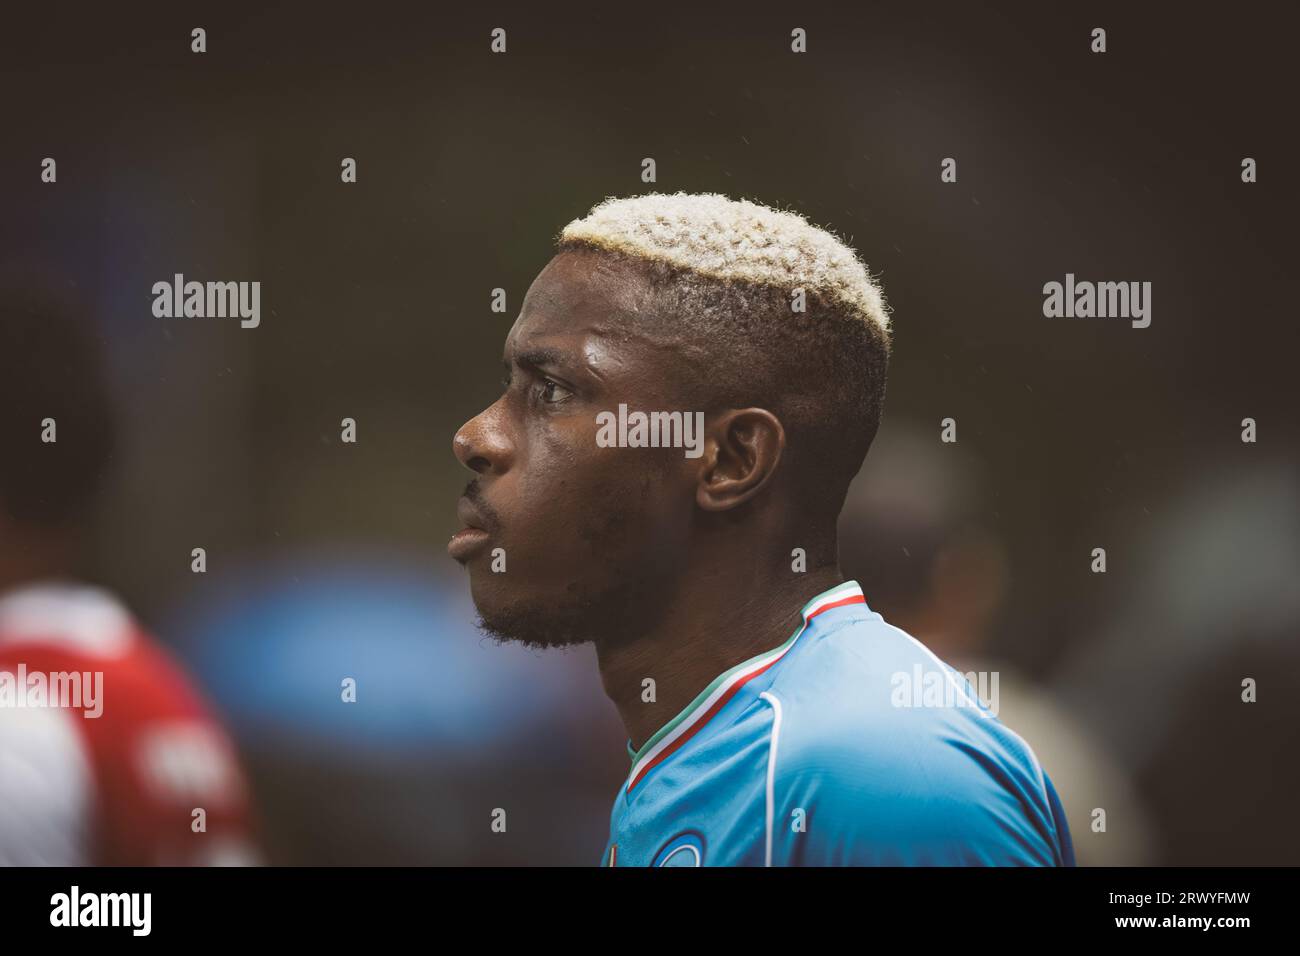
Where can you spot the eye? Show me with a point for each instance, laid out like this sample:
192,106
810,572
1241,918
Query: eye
551,391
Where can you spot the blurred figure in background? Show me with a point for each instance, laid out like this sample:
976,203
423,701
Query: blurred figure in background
107,755
910,532
1211,603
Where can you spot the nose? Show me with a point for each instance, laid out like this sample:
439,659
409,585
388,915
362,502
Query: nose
482,444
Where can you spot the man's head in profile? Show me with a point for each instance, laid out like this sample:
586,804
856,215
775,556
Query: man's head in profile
671,305
690,387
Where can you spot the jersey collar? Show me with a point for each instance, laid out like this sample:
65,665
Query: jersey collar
674,734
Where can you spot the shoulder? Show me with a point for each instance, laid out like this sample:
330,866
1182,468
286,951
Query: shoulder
865,694
65,618
879,774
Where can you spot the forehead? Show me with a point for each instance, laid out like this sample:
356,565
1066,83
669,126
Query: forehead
578,301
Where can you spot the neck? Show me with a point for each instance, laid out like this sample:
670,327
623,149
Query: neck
714,621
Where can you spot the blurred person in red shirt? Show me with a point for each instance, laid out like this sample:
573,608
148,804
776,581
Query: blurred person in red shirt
108,756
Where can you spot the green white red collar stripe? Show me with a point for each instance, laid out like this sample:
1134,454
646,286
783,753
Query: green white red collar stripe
673,735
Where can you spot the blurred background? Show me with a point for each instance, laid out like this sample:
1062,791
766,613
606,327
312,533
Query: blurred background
326,559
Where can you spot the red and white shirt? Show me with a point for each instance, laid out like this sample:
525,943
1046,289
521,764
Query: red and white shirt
108,755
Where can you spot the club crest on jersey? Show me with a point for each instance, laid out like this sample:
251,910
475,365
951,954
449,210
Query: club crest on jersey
684,850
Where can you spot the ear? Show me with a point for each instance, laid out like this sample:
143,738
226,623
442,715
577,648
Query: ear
742,449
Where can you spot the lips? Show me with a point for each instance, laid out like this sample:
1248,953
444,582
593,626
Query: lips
472,536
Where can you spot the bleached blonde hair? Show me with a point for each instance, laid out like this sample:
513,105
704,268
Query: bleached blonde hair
735,240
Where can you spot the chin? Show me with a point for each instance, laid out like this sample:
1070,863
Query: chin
514,627
490,596
537,620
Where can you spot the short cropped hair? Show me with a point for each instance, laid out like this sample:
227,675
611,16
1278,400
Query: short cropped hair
724,275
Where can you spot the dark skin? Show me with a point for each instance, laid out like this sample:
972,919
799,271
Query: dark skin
676,568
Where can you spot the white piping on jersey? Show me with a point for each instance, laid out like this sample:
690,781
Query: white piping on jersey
947,670
693,850
771,770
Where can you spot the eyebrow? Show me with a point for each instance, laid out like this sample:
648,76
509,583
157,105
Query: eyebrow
535,359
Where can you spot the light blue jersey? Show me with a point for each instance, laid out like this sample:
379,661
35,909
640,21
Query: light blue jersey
819,753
